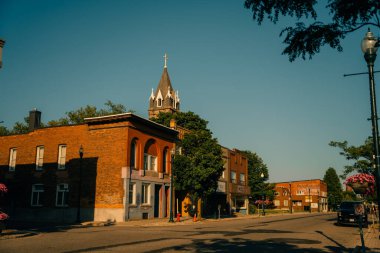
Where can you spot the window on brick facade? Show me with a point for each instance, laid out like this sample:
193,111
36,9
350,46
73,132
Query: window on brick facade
132,194
133,154
37,194
150,162
145,193
62,195
242,178
286,203
233,177
300,193
39,157
12,159
62,157
276,202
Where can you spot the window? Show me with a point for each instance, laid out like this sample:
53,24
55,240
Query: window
286,202
242,179
12,159
145,193
40,158
37,194
233,177
62,195
159,102
132,194
133,154
62,157
276,202
150,162
300,193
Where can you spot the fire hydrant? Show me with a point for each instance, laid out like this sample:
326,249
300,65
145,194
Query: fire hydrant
178,217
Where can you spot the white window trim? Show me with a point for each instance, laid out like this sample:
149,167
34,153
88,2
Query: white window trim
233,177
148,162
40,157
242,178
66,189
62,157
133,202
12,159
147,194
36,191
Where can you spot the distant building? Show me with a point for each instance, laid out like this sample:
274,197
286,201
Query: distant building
125,170
234,181
301,195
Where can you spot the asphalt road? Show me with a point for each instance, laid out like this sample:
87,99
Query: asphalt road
301,233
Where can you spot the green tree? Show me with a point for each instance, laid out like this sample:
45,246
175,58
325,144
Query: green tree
360,155
334,188
199,166
72,117
4,131
258,184
306,39
77,116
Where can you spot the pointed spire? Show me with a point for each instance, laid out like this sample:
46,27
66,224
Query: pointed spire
152,95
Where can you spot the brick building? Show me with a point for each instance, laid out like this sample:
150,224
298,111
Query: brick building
301,195
125,170
233,189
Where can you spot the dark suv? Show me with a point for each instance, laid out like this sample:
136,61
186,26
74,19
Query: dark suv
346,213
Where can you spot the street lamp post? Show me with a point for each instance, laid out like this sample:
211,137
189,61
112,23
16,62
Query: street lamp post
80,183
2,42
262,197
369,46
171,218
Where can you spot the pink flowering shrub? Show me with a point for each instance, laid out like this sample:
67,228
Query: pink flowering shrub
3,216
3,188
260,202
362,178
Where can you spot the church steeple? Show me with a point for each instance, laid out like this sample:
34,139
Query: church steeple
165,98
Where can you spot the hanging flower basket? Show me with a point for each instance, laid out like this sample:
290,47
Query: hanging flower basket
3,188
361,183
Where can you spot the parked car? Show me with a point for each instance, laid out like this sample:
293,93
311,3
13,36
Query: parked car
346,213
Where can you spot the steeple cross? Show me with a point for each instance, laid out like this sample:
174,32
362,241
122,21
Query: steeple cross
166,60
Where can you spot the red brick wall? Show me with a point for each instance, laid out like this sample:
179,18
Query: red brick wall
106,148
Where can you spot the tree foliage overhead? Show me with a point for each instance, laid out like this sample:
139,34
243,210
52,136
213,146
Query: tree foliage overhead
346,16
72,117
258,185
197,169
334,188
361,156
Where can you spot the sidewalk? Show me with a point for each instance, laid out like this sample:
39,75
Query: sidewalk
371,240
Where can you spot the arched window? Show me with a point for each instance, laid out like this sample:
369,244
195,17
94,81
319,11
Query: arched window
150,155
133,154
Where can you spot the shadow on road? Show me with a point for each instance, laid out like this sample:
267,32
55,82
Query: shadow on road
278,245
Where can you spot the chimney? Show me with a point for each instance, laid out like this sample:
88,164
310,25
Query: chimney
34,120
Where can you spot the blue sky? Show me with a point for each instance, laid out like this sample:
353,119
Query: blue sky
61,55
